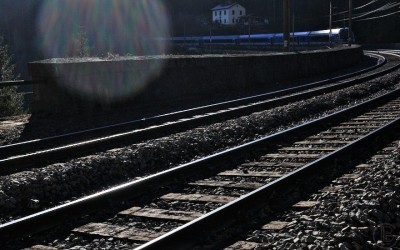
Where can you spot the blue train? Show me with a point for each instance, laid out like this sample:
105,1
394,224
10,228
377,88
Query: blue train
320,37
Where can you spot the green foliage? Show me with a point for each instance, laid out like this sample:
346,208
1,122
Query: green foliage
11,102
81,44
6,67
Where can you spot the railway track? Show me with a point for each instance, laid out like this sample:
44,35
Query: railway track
205,196
344,204
20,156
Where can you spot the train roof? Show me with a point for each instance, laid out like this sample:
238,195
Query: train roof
324,32
222,37
303,33
308,33
270,35
257,36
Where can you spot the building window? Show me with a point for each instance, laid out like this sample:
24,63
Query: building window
240,12
215,13
224,12
233,20
219,12
233,12
224,20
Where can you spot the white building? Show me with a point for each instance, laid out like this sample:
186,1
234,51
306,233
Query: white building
227,13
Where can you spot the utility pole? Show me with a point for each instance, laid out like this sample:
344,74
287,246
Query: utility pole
286,24
184,32
274,6
350,20
293,16
249,31
210,36
330,23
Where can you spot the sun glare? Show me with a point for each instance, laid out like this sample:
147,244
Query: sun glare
109,29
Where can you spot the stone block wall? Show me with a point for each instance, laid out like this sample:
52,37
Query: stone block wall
181,77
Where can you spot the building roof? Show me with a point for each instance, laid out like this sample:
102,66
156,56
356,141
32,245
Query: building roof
224,6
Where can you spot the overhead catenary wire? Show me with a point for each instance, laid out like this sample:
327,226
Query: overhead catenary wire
356,8
365,5
383,8
371,18
379,10
359,16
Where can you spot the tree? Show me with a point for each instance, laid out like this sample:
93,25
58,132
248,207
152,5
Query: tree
81,46
11,102
6,67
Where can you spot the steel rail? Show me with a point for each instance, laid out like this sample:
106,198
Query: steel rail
26,146
18,163
48,218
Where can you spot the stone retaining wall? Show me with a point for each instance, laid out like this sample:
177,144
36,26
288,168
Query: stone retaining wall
181,77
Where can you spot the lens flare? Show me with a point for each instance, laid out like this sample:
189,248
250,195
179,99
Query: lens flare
108,29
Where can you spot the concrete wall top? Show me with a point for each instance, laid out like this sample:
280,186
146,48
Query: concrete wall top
51,67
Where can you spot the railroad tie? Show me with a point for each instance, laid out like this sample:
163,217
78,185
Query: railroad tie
361,166
266,164
228,184
320,142
237,173
243,245
120,232
291,156
198,198
361,126
41,247
302,205
331,189
334,137
350,176
328,149
275,225
162,214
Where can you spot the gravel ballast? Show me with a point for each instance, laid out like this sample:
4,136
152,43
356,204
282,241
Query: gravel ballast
364,213
47,186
